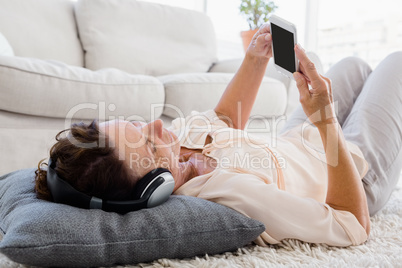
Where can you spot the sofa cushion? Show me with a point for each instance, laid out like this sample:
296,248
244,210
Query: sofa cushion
145,38
42,29
5,48
202,91
54,89
37,232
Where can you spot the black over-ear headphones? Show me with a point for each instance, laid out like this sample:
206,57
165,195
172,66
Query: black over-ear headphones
152,190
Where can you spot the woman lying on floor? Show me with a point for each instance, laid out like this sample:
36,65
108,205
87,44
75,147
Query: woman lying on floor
295,190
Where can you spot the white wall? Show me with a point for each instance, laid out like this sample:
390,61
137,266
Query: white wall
369,29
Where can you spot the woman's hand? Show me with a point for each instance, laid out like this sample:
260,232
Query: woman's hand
260,45
317,102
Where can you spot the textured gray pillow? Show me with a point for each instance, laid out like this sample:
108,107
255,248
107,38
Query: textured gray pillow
42,233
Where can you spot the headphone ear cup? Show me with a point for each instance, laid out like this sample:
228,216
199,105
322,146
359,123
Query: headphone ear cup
160,189
145,182
142,184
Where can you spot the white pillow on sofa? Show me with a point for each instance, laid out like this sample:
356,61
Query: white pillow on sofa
145,38
5,48
42,29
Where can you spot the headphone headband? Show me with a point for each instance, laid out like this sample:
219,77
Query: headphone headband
154,189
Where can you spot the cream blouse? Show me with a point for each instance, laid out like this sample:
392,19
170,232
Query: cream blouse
283,185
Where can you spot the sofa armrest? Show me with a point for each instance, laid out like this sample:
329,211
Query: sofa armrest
57,90
202,91
226,66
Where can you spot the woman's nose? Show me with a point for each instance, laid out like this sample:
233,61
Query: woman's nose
156,128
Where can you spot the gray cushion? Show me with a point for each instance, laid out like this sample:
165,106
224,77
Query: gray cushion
37,232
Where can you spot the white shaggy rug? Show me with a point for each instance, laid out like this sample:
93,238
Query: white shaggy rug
383,249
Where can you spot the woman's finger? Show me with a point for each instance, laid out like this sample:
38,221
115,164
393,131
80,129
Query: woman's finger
263,39
302,71
329,86
307,65
302,86
265,28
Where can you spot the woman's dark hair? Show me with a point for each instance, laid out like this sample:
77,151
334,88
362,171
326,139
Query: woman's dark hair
88,163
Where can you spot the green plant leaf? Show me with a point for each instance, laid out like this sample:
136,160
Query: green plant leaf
256,12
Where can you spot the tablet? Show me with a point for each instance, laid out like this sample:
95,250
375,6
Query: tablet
284,39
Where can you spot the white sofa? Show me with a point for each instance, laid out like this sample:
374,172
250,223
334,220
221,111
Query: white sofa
108,59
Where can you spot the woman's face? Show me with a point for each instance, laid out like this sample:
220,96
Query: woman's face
143,147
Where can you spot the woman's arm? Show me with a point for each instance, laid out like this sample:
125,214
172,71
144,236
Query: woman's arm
345,188
238,99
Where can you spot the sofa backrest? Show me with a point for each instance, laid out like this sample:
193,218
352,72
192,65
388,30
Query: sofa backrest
144,38
43,29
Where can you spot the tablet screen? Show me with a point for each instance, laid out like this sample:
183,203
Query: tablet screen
283,43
